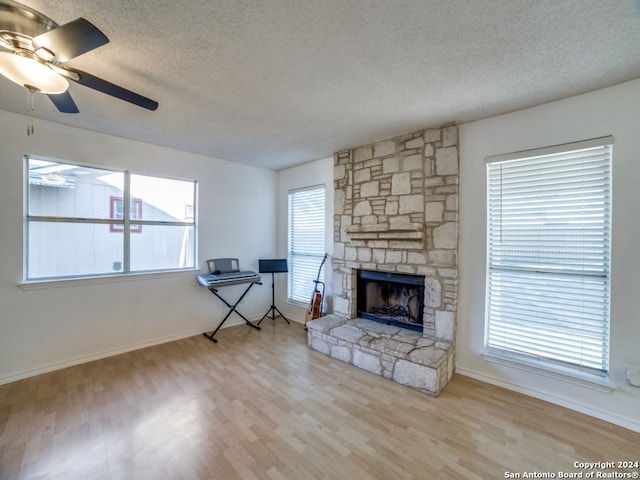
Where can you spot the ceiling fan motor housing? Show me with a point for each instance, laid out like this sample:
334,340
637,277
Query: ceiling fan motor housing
19,24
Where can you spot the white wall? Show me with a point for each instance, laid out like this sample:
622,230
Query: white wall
319,172
612,111
47,328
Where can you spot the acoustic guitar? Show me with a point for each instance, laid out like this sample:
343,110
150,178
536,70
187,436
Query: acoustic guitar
315,306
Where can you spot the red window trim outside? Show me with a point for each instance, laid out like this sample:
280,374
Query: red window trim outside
135,228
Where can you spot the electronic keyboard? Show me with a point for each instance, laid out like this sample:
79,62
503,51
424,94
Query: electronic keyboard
228,278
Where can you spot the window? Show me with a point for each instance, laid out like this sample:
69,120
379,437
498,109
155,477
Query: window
306,241
79,221
549,215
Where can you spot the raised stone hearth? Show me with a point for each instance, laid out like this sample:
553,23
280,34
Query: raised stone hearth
402,355
396,211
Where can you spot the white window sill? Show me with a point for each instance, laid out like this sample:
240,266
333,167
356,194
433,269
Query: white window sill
296,303
69,282
557,372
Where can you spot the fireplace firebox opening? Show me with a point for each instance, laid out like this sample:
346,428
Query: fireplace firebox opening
392,298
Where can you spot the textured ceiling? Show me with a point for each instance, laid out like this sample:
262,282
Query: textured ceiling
282,82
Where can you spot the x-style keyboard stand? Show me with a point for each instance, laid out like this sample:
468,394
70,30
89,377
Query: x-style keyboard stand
232,308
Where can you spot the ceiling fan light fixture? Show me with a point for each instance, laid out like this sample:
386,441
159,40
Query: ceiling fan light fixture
31,73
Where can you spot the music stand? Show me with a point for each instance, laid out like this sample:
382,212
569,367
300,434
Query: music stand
273,266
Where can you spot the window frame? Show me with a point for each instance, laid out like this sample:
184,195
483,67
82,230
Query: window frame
124,225
316,257
548,362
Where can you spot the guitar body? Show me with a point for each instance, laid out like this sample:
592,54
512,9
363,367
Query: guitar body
315,306
313,311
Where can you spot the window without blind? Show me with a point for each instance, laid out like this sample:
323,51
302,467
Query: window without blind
549,223
306,241
84,221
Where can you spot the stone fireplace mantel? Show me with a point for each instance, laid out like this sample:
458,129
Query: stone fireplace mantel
396,210
385,231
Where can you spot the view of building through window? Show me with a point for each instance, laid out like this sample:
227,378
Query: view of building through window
80,221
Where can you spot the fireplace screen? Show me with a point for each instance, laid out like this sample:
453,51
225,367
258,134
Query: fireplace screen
391,298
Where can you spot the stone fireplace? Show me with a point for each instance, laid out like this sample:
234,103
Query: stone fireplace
396,215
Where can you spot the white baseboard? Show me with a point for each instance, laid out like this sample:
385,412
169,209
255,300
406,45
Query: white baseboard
108,353
625,422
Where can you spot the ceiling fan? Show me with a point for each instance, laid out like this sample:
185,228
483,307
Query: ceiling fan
37,49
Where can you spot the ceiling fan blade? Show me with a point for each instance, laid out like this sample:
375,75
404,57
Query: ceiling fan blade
69,40
91,81
64,103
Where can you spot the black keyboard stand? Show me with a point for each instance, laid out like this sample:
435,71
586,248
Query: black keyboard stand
232,308
273,309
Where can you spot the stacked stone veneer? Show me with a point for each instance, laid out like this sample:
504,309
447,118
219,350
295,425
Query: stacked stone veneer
396,210
405,356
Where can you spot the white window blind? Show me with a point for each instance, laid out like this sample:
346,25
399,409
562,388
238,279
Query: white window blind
306,241
549,255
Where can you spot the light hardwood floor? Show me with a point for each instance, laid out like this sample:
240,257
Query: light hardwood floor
261,405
